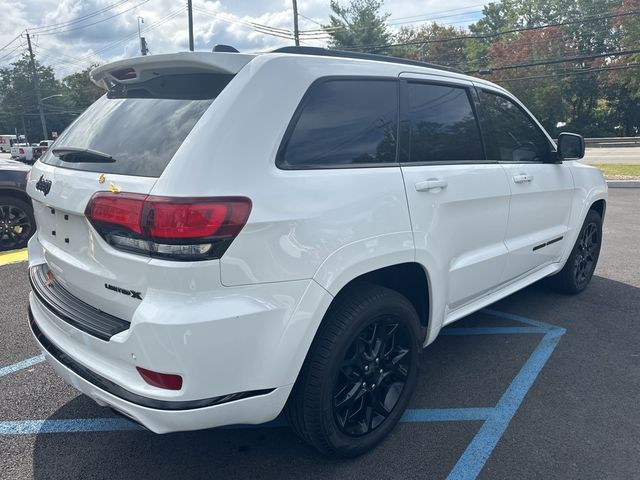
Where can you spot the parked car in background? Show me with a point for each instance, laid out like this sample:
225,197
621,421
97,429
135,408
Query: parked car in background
6,142
16,213
30,153
353,206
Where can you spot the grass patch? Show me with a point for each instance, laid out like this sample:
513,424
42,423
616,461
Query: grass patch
619,169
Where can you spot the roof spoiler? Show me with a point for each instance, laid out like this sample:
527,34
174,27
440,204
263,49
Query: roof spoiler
141,69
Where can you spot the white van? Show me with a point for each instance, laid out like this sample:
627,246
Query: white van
6,142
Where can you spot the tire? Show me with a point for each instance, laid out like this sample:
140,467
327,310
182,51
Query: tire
335,372
17,223
577,272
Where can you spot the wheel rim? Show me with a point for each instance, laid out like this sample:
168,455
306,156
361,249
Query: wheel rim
587,251
15,226
372,377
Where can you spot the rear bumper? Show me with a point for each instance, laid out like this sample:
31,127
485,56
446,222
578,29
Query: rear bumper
239,351
252,410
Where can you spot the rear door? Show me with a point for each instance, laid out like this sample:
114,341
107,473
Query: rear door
459,201
541,190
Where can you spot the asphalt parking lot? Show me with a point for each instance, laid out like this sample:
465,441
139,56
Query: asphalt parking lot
540,385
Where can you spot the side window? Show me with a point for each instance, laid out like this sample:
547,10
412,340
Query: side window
344,122
442,124
510,134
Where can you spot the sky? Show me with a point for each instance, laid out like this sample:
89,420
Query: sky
70,35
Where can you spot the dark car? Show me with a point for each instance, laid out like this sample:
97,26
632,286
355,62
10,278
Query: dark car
16,213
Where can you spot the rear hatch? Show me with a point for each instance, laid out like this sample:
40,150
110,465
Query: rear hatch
120,145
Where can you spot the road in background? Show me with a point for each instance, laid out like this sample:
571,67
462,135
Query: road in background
612,155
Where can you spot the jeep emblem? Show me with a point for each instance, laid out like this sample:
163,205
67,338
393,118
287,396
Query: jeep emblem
43,185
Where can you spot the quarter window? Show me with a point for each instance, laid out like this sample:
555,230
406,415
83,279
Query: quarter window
510,134
344,123
442,124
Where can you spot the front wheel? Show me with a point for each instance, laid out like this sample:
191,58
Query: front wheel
359,373
577,272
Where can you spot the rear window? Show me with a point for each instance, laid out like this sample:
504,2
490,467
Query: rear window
140,126
343,123
443,125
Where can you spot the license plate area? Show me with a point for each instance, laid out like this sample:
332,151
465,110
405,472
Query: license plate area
67,231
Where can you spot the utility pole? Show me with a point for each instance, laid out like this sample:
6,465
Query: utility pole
296,32
36,84
190,14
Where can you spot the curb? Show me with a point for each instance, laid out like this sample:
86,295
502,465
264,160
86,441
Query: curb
623,183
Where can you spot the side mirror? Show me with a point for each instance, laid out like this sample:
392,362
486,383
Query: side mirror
570,146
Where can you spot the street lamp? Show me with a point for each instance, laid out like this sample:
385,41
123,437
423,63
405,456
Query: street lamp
143,41
44,122
51,96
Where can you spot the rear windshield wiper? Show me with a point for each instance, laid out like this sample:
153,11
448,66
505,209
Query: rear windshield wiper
78,155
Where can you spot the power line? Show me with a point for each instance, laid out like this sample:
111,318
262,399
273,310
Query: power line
558,60
575,72
162,20
94,23
14,39
79,19
587,19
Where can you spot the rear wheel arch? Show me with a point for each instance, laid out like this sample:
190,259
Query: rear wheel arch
409,279
15,193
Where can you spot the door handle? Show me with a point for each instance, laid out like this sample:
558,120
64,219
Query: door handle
522,178
431,184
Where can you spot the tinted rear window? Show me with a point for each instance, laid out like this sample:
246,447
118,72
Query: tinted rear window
344,123
141,127
443,125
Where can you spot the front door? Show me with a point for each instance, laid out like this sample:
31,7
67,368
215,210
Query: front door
459,202
541,190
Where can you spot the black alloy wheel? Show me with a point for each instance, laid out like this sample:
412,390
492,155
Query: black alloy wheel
359,373
578,270
16,223
587,253
372,377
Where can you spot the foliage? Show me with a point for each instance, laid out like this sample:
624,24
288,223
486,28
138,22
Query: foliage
62,100
359,23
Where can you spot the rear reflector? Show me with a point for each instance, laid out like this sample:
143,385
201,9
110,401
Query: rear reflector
161,380
168,227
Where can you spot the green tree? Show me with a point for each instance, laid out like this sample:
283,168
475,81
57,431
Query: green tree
442,44
20,104
358,24
80,90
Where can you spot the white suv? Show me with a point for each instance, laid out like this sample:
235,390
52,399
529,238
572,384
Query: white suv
223,235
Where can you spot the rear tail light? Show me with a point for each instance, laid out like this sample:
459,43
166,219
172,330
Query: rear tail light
161,380
21,151
168,227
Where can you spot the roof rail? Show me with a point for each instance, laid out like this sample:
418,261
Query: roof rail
325,52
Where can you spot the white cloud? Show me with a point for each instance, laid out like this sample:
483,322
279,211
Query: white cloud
73,46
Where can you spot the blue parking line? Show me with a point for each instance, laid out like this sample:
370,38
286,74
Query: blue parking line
492,330
478,451
518,318
445,414
20,365
33,427
80,425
